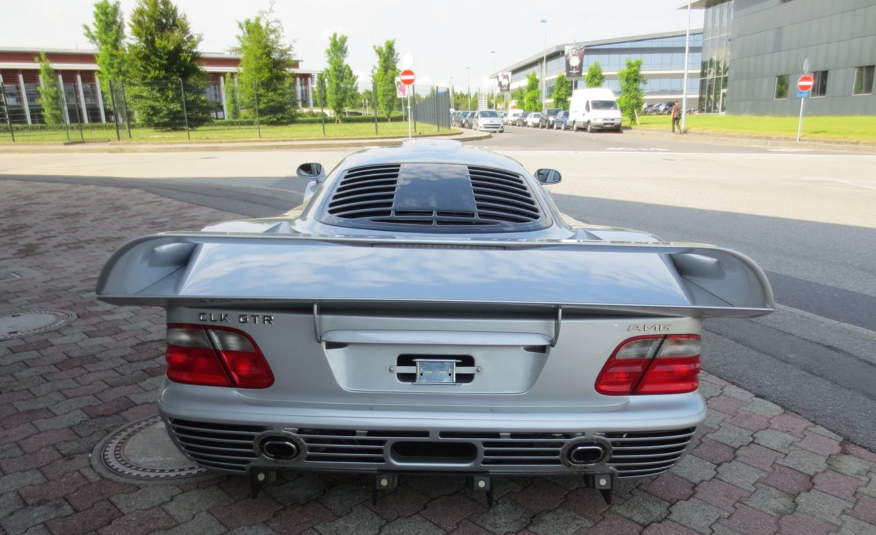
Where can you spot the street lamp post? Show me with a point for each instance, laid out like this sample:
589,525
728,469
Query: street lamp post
493,53
686,67
544,69
468,102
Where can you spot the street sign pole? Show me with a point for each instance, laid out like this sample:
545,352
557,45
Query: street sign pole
804,84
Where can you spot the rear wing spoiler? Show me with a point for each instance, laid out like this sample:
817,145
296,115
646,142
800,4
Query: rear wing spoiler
664,279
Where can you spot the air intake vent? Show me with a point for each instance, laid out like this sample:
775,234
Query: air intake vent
502,196
342,446
365,192
647,454
221,446
434,197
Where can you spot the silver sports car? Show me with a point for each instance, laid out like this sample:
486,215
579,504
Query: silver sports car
428,309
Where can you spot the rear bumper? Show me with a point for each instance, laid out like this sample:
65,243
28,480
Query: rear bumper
645,436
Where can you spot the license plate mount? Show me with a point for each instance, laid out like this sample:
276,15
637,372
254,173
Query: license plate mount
436,371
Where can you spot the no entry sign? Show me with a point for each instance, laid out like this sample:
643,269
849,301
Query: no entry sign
805,83
407,77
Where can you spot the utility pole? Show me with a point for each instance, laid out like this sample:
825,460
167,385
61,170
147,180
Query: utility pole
544,69
686,65
493,53
468,102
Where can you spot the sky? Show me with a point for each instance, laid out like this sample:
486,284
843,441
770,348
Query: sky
443,36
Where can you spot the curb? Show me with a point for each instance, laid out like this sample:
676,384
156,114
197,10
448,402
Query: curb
209,146
756,141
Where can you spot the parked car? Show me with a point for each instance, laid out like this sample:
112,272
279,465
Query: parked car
548,117
533,120
561,120
521,119
453,323
468,119
488,120
594,109
513,115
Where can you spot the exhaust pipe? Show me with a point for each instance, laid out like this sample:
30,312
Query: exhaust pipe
279,448
586,453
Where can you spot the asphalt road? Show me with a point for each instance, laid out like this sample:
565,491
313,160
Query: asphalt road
807,219
527,139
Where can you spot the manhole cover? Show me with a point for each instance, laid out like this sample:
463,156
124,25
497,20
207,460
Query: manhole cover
144,451
27,323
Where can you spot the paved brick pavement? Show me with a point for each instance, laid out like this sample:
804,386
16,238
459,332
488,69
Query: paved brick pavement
755,469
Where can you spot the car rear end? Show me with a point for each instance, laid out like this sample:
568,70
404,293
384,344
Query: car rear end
386,392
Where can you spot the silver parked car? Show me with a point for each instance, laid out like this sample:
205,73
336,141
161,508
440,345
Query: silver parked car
488,120
429,310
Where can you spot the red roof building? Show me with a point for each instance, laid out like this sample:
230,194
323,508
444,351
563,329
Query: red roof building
78,75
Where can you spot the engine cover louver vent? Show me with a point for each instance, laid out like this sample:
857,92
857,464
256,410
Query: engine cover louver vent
434,198
366,192
502,196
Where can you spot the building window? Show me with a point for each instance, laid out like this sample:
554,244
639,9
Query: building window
782,86
864,80
12,96
819,88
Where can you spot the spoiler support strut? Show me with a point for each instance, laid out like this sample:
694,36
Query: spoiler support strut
317,330
557,324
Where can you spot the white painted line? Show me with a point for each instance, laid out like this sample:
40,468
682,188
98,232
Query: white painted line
704,154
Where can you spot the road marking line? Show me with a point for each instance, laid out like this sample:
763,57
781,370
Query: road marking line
853,328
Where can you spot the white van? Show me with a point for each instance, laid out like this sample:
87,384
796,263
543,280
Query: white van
594,109
512,116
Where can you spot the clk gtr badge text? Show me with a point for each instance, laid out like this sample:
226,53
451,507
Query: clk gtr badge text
210,317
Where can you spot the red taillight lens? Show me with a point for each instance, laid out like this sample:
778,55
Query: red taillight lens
675,369
215,356
191,359
627,364
242,358
652,365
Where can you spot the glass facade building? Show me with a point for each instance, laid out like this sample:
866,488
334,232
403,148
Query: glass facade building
715,62
754,50
662,58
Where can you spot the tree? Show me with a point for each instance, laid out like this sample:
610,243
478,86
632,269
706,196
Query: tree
337,75
264,69
533,93
632,96
519,97
108,35
351,81
50,93
164,51
562,92
384,74
594,77
232,97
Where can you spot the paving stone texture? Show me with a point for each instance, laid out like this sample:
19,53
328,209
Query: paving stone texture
755,468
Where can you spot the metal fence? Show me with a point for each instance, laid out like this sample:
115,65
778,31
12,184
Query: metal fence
177,110
432,106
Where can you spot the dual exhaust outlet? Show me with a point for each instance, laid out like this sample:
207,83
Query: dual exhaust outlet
582,453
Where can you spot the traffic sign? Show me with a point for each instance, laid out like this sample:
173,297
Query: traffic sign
802,94
805,83
407,77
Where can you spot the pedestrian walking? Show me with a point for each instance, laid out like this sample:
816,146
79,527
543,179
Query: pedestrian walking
676,118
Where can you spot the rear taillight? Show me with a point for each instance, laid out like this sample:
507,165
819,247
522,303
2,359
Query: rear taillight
215,356
652,365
